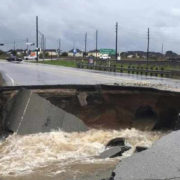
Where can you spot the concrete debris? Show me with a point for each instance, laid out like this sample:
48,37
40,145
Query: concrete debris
82,98
162,161
140,149
112,176
30,113
116,142
114,152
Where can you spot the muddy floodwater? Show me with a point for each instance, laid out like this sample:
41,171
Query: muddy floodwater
65,156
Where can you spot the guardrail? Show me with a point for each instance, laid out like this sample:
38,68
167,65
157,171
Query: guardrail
152,71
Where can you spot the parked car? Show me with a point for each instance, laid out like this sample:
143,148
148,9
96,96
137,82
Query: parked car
30,57
14,58
105,57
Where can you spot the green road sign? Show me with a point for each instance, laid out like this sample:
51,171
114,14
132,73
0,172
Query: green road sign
110,52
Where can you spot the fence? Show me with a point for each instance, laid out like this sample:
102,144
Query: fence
139,70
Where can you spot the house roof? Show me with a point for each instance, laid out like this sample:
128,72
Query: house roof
93,51
77,50
51,50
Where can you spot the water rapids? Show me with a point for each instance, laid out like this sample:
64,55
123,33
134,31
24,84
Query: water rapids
55,152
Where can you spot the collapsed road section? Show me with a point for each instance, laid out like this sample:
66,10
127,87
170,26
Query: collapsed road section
102,107
28,113
98,122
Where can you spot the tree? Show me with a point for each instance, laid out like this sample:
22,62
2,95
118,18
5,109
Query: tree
65,54
171,54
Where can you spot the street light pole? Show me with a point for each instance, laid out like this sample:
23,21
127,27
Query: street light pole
148,46
37,48
59,48
43,46
96,43
85,48
116,41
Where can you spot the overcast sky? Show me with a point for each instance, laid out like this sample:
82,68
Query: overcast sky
70,19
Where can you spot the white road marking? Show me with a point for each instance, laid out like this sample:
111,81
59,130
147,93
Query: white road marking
10,78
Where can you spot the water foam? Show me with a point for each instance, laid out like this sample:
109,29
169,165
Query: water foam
21,155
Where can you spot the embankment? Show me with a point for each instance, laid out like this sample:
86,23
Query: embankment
110,107
2,81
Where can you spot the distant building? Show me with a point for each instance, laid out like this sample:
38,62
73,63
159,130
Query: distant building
140,55
18,52
93,53
75,52
51,52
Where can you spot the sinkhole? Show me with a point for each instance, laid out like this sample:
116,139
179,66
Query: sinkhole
108,107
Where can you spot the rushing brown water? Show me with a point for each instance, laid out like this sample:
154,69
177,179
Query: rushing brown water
64,154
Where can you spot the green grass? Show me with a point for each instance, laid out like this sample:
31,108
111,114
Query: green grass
73,63
67,63
3,57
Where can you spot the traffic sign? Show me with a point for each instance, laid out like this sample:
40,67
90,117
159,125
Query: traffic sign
74,51
108,51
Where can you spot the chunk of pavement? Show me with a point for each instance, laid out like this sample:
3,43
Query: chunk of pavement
114,152
31,114
161,161
140,148
116,142
82,98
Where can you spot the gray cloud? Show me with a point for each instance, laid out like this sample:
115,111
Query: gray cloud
70,19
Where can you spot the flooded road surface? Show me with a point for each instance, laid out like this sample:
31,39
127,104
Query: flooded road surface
65,156
41,74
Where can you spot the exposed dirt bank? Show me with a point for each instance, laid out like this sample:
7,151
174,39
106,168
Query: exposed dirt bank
110,107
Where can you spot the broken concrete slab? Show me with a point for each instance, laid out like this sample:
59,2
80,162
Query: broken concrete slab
116,142
140,149
82,97
162,161
31,113
114,152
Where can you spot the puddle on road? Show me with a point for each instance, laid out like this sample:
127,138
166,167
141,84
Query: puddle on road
65,155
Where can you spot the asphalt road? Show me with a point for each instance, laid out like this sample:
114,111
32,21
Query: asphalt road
161,162
39,74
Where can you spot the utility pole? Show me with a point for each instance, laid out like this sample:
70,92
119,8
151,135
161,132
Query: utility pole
27,40
59,47
162,49
43,45
116,41
14,46
148,45
27,53
96,43
85,44
37,48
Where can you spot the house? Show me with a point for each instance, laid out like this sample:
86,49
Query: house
140,55
93,53
18,52
51,52
75,52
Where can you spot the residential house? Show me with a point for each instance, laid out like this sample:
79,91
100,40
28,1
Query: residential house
51,52
93,53
75,52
